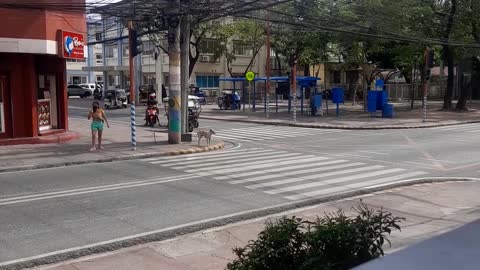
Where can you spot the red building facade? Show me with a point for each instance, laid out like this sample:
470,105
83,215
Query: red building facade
34,45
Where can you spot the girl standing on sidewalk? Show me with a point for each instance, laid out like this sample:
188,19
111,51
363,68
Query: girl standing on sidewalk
98,118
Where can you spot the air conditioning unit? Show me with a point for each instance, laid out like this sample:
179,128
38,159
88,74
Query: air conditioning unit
205,58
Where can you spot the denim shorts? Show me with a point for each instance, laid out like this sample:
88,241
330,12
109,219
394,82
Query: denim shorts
97,125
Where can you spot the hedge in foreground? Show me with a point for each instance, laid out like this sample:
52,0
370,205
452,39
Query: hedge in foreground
334,242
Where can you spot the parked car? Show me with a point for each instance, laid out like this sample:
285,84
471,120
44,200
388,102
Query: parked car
90,86
77,90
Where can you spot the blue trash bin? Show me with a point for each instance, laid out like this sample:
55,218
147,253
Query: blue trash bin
372,101
338,95
387,111
382,99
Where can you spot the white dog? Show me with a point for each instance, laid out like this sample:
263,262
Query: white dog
207,134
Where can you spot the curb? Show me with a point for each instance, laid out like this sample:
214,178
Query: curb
165,234
320,126
197,149
49,139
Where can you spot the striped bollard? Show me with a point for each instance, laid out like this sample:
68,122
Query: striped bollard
268,106
133,126
424,109
295,108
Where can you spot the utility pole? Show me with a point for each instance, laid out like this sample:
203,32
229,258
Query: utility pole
132,45
185,52
174,102
267,65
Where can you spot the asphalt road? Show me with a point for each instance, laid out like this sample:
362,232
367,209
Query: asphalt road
54,210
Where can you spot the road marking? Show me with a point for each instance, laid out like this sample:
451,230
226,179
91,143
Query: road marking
351,155
256,167
347,187
376,153
425,153
323,183
303,178
313,177
203,157
80,191
445,161
229,163
420,164
281,169
201,162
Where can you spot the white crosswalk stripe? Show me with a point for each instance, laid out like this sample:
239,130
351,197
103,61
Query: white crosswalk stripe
294,176
255,134
467,128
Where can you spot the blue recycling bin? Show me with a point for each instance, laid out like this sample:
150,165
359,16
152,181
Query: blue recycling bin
316,103
382,99
387,111
338,95
372,101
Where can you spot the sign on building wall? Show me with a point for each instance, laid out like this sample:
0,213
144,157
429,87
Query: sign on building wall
72,45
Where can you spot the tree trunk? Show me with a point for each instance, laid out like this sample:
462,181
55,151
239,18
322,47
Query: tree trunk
447,100
279,64
306,70
448,55
464,91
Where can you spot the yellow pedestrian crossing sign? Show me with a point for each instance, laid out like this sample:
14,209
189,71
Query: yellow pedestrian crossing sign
250,76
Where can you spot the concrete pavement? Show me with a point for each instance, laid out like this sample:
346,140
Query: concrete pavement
429,209
116,142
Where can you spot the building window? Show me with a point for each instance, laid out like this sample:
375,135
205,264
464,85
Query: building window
99,59
99,78
148,48
208,81
111,51
209,46
98,36
126,50
78,79
240,48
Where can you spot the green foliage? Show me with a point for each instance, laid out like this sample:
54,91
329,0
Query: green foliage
245,32
334,242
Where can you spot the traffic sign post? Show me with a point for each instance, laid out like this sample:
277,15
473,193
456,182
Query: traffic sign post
250,76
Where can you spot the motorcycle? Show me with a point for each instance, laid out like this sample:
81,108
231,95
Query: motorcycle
229,101
152,116
98,94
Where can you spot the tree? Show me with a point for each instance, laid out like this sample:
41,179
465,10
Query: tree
230,36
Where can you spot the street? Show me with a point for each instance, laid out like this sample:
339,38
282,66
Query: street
50,211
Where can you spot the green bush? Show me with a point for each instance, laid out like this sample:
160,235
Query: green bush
334,242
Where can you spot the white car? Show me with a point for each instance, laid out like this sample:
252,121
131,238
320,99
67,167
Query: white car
90,86
77,90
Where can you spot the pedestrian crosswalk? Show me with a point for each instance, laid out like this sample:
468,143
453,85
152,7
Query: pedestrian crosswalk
292,175
467,128
263,133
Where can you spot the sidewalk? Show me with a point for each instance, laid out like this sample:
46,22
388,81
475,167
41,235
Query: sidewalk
351,116
429,209
116,142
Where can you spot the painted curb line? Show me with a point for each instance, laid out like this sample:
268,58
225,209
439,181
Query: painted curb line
193,150
172,232
320,126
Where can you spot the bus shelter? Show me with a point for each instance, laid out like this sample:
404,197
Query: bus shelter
302,81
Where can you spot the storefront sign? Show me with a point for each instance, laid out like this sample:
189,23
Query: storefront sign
73,45
44,115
